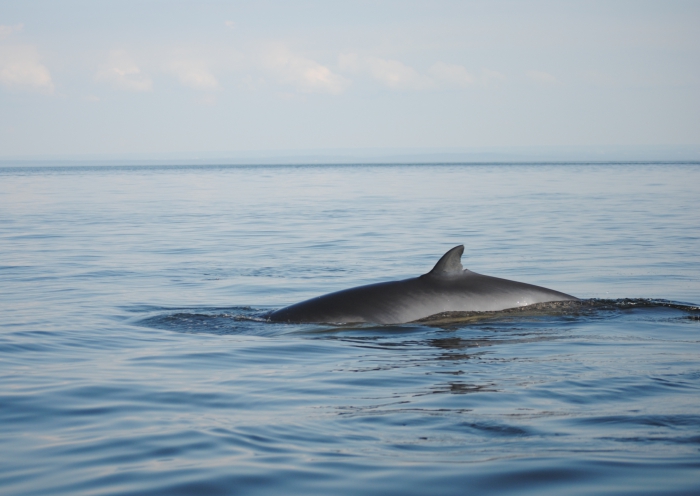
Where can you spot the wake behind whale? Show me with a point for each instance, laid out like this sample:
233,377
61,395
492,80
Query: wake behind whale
448,287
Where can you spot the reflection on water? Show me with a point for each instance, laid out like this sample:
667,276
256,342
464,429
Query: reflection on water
461,388
227,320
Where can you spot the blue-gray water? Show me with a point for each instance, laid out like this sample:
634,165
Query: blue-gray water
134,356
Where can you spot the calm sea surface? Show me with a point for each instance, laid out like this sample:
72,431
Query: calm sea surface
135,357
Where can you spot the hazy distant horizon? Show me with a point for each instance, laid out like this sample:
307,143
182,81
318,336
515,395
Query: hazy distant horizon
649,153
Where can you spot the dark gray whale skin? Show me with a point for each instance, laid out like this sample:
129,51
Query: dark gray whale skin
447,288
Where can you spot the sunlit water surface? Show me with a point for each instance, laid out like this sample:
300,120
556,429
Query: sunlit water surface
135,357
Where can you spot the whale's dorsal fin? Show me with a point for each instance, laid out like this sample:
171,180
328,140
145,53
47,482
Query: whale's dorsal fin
450,264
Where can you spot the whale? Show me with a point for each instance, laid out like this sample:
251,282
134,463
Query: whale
448,287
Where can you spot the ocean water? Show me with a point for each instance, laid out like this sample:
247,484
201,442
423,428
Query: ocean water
135,357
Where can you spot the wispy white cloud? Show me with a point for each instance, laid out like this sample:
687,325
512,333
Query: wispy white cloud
305,74
391,73
194,74
230,24
541,77
20,67
490,77
397,75
7,31
121,71
349,62
451,75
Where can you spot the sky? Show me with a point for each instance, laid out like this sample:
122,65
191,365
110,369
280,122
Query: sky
177,78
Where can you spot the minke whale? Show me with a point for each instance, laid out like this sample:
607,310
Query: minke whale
449,287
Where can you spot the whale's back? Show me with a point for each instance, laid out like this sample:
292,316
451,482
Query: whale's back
417,298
